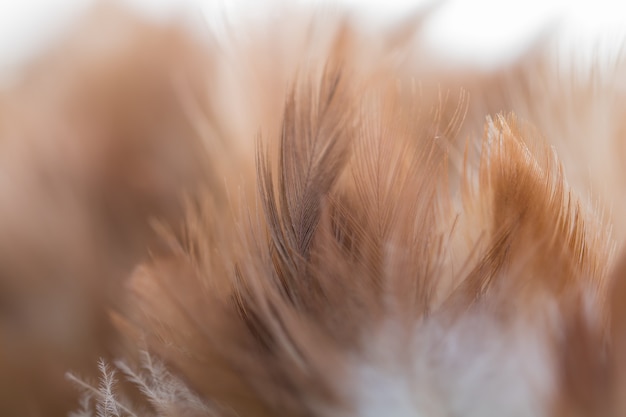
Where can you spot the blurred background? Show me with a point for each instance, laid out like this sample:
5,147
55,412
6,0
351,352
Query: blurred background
49,307
480,33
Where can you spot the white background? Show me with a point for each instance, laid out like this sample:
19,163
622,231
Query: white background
475,31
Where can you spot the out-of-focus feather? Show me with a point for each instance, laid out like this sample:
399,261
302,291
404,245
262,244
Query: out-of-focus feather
310,221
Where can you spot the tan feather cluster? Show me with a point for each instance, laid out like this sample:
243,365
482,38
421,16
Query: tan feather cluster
305,218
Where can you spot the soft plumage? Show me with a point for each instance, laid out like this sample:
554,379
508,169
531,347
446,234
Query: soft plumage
313,220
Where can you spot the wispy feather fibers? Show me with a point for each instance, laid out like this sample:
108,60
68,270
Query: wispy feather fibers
309,221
